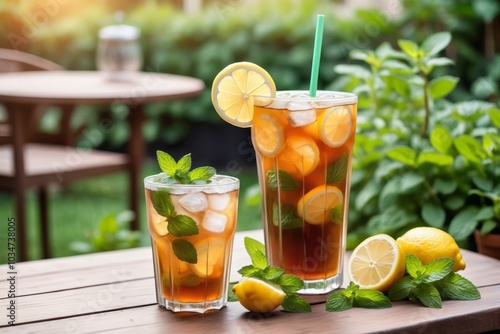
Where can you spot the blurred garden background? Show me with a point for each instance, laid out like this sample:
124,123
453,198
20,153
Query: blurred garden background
406,172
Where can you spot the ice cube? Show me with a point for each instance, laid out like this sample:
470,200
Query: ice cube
218,202
214,221
301,118
279,104
324,103
196,202
299,105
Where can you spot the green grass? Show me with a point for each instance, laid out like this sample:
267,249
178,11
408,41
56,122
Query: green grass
76,210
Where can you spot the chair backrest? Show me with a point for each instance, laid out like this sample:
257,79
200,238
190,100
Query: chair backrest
16,61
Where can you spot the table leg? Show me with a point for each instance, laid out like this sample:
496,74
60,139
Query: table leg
20,179
136,154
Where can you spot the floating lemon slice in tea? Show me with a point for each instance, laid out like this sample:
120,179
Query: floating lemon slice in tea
376,263
300,156
210,258
336,126
233,88
315,207
268,135
257,295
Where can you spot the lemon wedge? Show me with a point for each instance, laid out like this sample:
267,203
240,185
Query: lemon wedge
257,295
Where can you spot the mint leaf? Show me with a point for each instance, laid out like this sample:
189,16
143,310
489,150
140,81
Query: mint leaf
190,281
337,170
367,298
336,214
250,271
290,283
185,251
414,266
182,226
164,178
438,269
163,203
202,173
339,301
259,260
457,287
184,164
401,289
285,216
272,273
281,180
428,295
253,246
166,162
295,303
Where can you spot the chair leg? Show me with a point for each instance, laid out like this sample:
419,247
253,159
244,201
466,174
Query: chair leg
21,237
44,221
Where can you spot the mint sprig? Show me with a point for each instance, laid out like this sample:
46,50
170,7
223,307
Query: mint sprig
353,296
289,283
180,171
178,225
430,284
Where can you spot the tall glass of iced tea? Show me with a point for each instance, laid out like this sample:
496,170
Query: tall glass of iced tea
192,266
304,151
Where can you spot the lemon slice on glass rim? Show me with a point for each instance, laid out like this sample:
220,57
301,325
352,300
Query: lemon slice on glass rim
233,89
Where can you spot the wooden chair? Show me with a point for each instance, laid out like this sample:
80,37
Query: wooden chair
45,155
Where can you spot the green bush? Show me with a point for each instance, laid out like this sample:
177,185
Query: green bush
420,159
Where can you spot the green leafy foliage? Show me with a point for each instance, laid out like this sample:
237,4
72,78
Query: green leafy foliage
419,159
261,269
430,284
112,233
353,296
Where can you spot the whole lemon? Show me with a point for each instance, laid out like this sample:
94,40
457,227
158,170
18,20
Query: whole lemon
257,295
429,244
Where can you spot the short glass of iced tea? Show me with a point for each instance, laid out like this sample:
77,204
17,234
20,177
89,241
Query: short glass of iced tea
192,261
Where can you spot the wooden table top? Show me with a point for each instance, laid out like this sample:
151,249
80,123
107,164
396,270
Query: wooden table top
113,292
80,87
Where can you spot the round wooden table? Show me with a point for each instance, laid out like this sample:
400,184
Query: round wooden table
23,91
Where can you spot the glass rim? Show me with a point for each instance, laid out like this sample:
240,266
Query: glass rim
180,188
337,96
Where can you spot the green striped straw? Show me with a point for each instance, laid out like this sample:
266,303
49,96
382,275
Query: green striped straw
318,38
